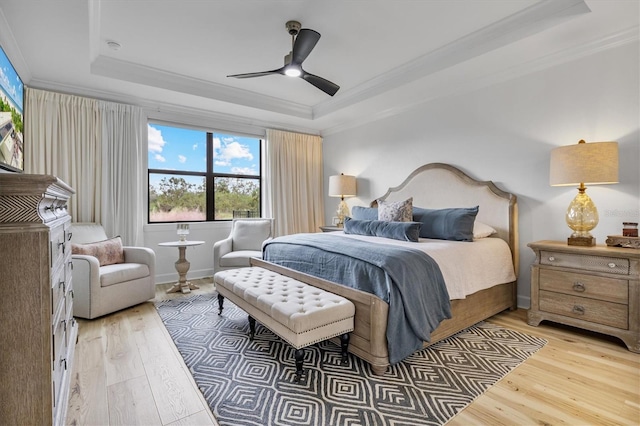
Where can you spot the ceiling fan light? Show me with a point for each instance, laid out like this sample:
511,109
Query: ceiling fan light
293,71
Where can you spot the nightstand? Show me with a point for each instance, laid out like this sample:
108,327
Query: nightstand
331,228
594,288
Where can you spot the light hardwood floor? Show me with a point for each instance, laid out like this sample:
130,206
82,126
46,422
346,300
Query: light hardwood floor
127,371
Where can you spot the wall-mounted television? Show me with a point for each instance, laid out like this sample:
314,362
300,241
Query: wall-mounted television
11,116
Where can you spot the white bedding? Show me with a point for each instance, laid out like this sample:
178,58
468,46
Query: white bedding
467,267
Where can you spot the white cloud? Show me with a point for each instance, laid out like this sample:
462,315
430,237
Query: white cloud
156,141
159,158
216,143
221,163
182,159
244,170
195,146
234,150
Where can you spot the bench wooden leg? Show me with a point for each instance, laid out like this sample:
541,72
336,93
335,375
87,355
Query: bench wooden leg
344,347
252,327
299,355
220,302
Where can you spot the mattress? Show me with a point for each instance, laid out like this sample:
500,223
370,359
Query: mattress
467,267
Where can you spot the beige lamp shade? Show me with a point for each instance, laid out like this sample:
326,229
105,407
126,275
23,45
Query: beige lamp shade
588,163
584,163
342,186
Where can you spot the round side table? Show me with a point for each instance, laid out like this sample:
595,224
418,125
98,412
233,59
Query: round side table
182,265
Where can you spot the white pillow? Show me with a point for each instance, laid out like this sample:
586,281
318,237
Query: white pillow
400,211
482,230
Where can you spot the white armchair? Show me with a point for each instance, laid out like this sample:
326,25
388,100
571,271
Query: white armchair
100,290
244,242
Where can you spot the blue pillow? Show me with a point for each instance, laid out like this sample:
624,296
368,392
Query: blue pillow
364,213
403,231
454,224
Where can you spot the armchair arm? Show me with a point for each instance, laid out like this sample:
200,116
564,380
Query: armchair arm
86,280
220,248
143,255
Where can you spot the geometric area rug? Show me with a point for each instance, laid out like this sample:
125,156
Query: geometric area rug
251,383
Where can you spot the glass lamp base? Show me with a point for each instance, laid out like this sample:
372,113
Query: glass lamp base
582,217
342,212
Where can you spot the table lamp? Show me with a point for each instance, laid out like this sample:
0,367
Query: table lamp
592,163
342,186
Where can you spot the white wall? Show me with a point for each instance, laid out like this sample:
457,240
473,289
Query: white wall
505,133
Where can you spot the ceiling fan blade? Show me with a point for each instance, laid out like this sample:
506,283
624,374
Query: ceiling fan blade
325,85
258,74
305,42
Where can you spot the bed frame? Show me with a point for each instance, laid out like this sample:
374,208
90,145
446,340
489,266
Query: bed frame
433,185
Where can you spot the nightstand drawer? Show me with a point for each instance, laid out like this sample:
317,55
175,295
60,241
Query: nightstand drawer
597,311
611,265
582,285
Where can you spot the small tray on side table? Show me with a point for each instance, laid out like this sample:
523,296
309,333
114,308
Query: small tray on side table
622,241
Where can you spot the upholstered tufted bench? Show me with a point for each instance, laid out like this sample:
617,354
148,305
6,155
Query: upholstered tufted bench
297,312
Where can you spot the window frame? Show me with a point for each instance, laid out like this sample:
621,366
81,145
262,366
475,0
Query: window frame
209,175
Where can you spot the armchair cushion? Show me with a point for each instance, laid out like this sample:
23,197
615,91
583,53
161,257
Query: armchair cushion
238,259
250,234
107,252
122,272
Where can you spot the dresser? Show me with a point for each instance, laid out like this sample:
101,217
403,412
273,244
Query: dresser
594,288
38,333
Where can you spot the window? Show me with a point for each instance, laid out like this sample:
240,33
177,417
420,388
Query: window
197,175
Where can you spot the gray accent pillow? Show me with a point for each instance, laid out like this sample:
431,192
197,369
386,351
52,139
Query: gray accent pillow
364,213
399,211
454,224
403,231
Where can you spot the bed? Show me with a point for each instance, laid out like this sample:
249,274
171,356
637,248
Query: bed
433,186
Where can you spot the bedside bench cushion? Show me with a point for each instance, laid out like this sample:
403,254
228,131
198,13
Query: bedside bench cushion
297,312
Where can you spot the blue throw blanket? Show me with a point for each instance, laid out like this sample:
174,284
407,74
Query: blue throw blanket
409,280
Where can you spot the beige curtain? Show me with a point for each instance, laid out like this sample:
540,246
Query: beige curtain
95,147
62,138
294,182
123,189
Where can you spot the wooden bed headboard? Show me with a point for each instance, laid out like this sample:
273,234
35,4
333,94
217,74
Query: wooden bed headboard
438,186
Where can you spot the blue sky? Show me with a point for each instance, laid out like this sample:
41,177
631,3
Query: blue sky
10,82
175,148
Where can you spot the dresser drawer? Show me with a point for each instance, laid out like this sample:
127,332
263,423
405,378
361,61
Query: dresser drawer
58,245
582,308
582,285
612,265
58,291
59,359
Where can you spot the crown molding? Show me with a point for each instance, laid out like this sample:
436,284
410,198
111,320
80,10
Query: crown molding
614,40
529,21
141,74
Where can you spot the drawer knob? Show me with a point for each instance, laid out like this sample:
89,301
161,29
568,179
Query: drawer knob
551,258
578,310
611,265
579,287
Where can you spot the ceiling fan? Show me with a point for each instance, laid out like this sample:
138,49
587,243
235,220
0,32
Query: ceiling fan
302,43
